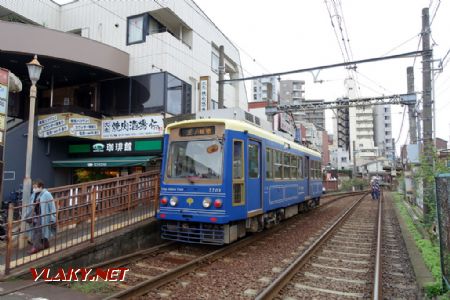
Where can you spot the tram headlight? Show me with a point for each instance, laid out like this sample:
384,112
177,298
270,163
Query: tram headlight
217,203
173,201
206,203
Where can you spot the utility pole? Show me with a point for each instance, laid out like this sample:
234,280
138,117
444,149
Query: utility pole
221,75
354,160
427,117
411,107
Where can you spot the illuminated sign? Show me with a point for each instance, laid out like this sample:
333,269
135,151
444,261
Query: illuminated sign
193,131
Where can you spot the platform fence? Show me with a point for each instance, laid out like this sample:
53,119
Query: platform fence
84,212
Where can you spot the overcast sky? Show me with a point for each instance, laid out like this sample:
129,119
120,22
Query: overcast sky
283,35
293,34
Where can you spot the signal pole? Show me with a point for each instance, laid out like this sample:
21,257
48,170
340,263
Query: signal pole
427,116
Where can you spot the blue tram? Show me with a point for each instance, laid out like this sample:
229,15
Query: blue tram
223,178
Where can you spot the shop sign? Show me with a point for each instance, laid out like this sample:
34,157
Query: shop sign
117,147
68,124
204,93
132,127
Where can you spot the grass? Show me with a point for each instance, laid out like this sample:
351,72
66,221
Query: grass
92,287
429,251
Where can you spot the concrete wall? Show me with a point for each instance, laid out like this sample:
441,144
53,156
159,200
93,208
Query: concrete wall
43,154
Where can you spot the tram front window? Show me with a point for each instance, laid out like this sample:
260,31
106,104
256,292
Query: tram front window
195,160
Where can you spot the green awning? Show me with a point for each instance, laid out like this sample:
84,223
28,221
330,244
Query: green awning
102,162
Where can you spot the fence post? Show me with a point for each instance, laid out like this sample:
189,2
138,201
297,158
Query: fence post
93,209
155,196
9,240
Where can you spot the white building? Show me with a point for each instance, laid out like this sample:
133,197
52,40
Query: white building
383,130
361,124
265,89
118,68
340,158
173,36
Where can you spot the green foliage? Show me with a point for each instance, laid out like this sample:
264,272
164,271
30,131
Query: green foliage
93,287
430,251
427,174
358,183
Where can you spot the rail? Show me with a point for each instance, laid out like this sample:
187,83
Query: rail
377,280
284,278
82,213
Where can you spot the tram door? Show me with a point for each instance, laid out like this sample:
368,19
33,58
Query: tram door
254,176
306,174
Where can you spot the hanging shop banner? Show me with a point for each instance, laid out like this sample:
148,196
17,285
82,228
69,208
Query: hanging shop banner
133,127
204,95
68,124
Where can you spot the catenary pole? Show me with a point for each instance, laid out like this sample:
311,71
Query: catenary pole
411,107
427,104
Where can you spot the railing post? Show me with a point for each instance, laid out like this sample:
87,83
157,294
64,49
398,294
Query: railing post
155,196
93,209
9,240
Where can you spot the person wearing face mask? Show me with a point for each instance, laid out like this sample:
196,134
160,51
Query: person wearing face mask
41,216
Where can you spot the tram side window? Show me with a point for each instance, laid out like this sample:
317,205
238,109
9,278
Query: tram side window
286,166
312,168
294,167
300,168
277,164
238,173
253,161
269,164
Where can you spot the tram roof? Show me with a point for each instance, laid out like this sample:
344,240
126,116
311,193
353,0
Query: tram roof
242,126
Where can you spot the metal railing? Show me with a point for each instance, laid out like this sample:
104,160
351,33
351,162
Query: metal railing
83,212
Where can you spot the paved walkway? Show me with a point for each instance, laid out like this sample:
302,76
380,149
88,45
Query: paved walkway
41,292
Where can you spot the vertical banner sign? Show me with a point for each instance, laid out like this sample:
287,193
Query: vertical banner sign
4,83
204,95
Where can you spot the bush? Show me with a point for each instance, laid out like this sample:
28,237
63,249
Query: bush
358,183
430,251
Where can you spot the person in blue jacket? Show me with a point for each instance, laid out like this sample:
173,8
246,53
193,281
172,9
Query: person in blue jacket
41,215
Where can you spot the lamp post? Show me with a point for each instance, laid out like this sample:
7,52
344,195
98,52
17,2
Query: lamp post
34,71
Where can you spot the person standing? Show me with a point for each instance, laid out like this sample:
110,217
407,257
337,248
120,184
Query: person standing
41,215
375,187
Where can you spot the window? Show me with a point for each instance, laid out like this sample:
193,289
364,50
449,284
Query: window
294,167
277,165
286,166
137,29
215,63
147,93
178,96
255,97
386,117
300,167
269,164
197,160
238,173
253,161
386,125
343,159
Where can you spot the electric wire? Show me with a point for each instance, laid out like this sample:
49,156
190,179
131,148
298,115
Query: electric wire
401,126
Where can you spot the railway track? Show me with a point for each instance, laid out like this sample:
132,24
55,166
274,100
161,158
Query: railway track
340,264
155,267
153,283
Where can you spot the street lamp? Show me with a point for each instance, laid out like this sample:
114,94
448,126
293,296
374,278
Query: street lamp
34,71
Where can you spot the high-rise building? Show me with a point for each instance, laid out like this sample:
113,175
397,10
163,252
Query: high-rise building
383,130
265,89
292,91
317,117
361,124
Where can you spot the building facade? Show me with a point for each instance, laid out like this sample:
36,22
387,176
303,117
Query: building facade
114,71
265,89
292,91
383,130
